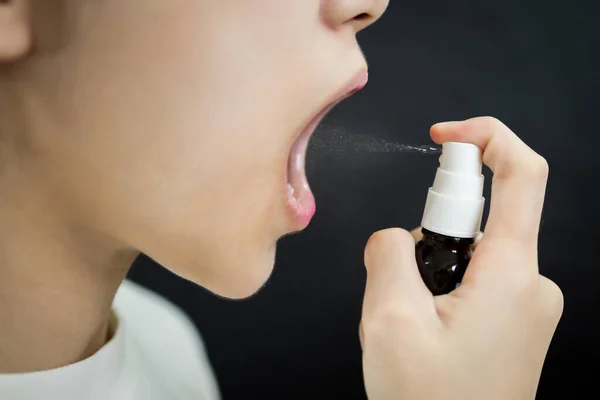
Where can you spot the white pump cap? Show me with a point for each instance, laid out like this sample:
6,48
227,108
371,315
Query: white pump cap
454,205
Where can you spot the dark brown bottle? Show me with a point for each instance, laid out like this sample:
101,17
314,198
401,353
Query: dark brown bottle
443,260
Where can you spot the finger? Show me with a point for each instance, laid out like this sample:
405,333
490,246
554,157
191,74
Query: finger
477,240
519,182
361,335
393,279
417,234
553,302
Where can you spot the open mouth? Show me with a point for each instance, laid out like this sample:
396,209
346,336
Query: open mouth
300,198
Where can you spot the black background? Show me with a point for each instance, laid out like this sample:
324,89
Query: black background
534,65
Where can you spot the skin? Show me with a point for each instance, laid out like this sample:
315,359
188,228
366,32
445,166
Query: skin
155,126
164,127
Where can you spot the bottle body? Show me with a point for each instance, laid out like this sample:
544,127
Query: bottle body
443,260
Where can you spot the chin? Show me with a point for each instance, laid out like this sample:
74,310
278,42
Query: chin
234,278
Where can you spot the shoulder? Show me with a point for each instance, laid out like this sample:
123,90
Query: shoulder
168,339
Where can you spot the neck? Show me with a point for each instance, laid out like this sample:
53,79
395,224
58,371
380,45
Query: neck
57,283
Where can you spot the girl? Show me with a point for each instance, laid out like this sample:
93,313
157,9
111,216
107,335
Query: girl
179,129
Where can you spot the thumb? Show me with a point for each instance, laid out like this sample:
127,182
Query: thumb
393,279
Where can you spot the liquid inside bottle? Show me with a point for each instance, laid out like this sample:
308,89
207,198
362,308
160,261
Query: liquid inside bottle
443,260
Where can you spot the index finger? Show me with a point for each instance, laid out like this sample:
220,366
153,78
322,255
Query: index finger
519,182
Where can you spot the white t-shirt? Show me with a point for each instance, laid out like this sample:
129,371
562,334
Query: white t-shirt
155,353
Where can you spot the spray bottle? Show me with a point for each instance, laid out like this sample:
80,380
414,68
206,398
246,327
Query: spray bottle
452,218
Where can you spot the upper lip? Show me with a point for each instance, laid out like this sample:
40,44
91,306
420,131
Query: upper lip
356,83
353,85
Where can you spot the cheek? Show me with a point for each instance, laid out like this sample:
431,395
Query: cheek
177,138
182,154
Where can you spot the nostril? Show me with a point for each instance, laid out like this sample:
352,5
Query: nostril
362,17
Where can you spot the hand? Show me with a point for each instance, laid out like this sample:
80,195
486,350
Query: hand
487,339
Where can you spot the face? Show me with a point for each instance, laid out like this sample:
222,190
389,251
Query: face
180,127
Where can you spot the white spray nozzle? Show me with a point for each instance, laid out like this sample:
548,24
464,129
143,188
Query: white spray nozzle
461,158
455,203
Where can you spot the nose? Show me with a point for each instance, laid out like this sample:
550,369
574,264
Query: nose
358,14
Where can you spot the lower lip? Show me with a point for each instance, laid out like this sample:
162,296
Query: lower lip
302,206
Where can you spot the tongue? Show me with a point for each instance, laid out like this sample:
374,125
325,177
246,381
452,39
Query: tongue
296,172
